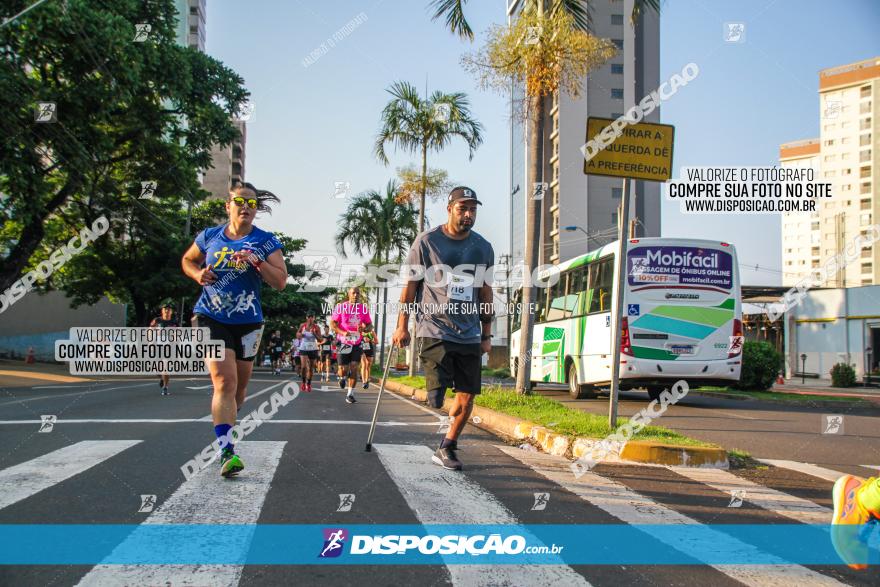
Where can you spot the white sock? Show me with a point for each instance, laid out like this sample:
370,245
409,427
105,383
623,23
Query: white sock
349,391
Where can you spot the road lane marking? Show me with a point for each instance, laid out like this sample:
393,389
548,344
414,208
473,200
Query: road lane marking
438,496
205,498
200,420
633,508
25,479
778,502
809,469
74,394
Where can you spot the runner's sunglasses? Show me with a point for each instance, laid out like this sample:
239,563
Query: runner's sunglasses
239,201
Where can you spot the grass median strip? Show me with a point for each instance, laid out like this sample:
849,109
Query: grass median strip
559,418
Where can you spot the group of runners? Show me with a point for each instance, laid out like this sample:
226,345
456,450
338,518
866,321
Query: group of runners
450,344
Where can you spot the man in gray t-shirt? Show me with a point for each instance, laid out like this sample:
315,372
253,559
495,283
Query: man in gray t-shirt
449,285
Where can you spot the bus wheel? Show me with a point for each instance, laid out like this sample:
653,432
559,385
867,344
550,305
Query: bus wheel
576,390
654,392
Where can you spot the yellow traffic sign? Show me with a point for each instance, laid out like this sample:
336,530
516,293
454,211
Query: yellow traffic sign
617,148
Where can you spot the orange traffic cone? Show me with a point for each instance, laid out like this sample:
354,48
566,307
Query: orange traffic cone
31,356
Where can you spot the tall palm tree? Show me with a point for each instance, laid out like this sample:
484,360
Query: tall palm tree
538,86
374,225
419,125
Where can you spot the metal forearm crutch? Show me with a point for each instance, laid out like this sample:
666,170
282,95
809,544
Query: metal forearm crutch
379,398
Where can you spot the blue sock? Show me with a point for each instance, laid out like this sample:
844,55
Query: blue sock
221,430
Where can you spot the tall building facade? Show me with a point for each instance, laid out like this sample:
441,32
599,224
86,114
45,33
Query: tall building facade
845,155
228,164
191,24
574,199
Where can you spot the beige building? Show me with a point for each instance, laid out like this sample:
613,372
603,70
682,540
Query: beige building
228,165
845,155
573,199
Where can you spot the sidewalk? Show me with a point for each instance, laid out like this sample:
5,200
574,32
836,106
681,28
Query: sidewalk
824,387
21,374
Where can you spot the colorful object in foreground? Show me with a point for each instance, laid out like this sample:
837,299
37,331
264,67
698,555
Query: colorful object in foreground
856,502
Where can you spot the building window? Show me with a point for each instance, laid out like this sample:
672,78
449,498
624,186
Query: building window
844,141
867,253
865,218
864,91
864,156
829,142
617,93
847,171
865,188
829,127
865,140
193,30
866,281
865,107
194,10
617,68
614,218
618,43
616,19
844,156
830,173
616,193
867,268
865,124
865,171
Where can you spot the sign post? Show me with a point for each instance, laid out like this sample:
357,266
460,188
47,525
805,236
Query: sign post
631,151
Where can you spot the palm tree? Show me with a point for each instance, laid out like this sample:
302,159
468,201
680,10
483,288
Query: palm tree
421,125
543,73
375,225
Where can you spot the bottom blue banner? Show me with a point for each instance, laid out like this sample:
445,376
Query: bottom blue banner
193,544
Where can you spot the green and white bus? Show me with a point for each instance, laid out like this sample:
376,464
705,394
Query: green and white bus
681,318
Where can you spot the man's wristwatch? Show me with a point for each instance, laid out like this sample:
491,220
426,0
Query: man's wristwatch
485,337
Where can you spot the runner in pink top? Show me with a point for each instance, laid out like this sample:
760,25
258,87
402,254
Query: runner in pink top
346,321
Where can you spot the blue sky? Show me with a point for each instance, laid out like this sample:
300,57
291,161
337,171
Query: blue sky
315,125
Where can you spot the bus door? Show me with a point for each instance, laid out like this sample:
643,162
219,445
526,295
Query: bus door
597,333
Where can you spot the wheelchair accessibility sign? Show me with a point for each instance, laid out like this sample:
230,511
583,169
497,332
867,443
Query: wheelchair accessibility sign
632,309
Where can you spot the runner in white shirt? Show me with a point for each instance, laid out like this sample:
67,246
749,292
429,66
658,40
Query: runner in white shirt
308,334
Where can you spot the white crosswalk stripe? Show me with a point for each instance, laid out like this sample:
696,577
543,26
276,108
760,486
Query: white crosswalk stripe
206,498
26,479
778,502
633,508
807,468
438,496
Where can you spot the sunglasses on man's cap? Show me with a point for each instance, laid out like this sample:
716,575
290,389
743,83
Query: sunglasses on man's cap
461,194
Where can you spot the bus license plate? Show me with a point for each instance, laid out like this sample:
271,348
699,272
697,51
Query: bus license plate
682,349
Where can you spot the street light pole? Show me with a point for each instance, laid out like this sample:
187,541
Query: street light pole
617,306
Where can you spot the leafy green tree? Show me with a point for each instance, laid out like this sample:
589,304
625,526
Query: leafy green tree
125,112
374,225
422,125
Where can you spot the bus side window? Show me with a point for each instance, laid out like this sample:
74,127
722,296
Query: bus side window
577,291
556,309
601,276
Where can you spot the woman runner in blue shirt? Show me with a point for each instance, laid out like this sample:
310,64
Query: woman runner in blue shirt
231,261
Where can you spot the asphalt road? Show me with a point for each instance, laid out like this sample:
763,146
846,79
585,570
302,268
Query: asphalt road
113,442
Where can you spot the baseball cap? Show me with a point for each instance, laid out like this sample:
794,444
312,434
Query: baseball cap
463,193
167,303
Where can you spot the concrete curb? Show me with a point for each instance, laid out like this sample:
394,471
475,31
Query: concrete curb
511,427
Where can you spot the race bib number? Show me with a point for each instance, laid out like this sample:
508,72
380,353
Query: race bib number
325,347
366,346
250,342
308,345
278,349
351,338
460,288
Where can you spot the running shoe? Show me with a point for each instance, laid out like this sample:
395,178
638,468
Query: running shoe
446,458
848,543
165,391
350,398
366,384
341,383
230,464
307,387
